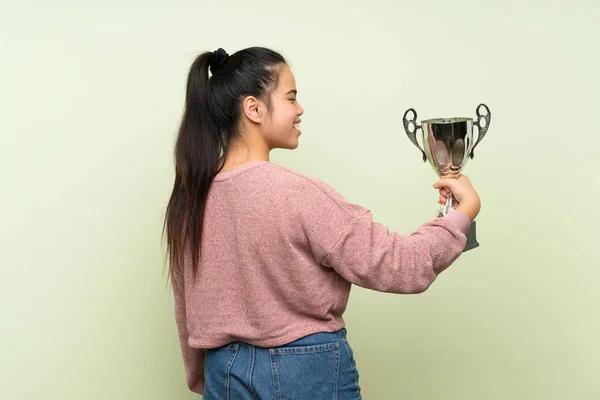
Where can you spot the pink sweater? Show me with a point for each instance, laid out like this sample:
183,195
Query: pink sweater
280,252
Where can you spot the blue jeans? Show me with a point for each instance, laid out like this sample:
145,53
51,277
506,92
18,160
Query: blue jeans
315,367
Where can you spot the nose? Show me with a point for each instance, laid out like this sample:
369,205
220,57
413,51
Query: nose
300,110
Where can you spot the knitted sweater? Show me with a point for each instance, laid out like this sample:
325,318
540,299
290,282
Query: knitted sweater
280,252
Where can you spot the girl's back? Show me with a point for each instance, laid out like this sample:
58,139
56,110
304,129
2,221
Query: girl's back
280,251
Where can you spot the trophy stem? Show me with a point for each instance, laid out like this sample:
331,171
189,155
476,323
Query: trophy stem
448,206
472,234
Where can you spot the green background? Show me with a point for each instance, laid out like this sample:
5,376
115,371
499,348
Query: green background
91,97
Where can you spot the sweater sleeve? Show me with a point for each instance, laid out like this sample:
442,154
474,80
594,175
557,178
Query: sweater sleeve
193,358
344,236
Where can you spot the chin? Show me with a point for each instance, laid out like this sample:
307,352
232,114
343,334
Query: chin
289,146
294,143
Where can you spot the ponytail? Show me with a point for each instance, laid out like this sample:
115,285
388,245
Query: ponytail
196,155
210,119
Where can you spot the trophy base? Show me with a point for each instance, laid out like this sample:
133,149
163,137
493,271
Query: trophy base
471,238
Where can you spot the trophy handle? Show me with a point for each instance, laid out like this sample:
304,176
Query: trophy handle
482,130
413,135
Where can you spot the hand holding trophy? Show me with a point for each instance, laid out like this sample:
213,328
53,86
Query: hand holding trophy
448,144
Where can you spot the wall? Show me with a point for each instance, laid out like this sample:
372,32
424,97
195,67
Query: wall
91,97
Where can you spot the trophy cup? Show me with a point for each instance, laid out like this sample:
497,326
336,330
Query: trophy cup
448,144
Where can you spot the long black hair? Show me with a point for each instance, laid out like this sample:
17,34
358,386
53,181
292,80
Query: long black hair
213,105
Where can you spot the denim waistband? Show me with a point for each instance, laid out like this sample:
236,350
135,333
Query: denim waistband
309,340
318,338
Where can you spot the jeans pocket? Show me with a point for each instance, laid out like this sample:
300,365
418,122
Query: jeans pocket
305,372
217,367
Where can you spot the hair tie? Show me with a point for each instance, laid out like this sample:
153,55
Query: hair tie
217,59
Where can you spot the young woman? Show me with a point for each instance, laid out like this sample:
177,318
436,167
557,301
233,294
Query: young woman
262,258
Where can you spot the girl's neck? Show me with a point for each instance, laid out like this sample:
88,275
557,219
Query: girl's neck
240,153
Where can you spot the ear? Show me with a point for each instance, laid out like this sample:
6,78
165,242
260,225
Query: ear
254,109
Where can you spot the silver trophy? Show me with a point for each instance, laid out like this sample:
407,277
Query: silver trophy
449,144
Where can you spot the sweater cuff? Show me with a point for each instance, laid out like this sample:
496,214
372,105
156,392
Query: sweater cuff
460,220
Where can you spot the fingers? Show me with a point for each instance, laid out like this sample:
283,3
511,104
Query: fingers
444,193
443,196
445,183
